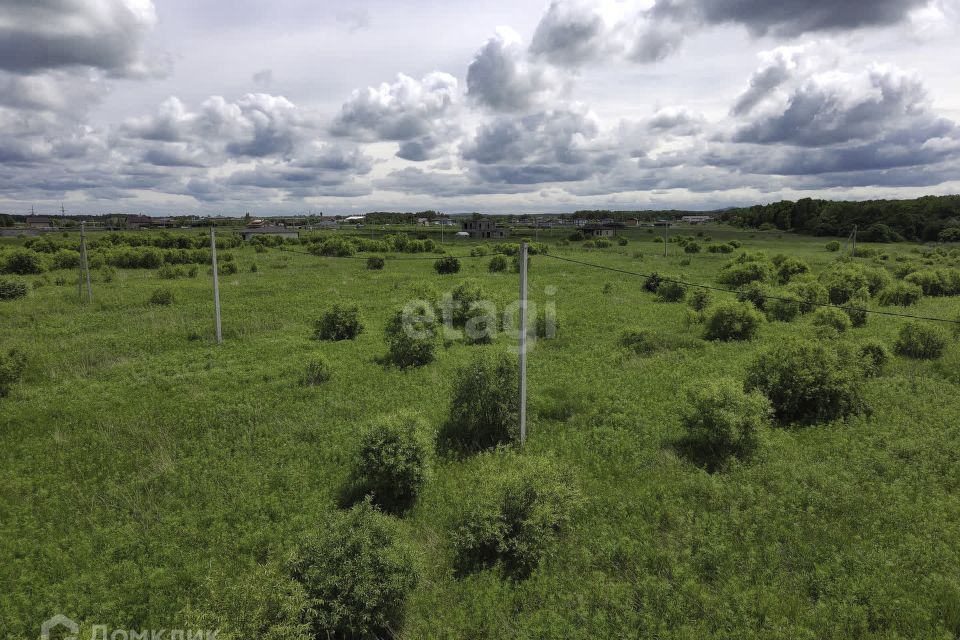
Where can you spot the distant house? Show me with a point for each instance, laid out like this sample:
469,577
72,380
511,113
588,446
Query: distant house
601,230
485,229
138,222
275,232
444,222
39,222
162,223
423,221
696,219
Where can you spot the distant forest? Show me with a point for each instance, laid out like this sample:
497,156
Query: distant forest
929,218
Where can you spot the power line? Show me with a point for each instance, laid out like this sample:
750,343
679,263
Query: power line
765,297
392,259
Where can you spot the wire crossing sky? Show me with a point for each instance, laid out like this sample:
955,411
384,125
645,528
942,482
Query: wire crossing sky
293,106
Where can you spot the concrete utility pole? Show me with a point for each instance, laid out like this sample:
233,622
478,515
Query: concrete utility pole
853,252
84,265
523,343
216,282
666,237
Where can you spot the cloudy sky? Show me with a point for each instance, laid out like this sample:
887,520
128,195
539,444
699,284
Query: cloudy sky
291,106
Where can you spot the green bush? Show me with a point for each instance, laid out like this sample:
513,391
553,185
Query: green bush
107,273
833,246
721,421
785,307
874,356
844,283
170,272
484,409
856,310
497,264
831,318
393,462
227,268
692,247
732,321
411,339
479,251
317,372
375,263
672,291
340,323
699,300
808,381
11,289
12,365
652,283
513,515
921,341
737,274
464,298
547,324
810,293
447,265
754,293
23,262
901,294
790,267
356,575
162,296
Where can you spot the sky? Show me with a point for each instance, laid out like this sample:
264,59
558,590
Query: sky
303,106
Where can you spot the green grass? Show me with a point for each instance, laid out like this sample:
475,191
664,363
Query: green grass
144,469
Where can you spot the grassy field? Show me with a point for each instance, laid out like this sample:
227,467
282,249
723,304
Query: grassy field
146,471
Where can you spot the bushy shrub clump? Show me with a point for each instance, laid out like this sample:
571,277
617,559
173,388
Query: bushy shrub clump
692,247
737,274
12,364
479,251
162,296
375,263
921,341
339,323
810,293
699,300
547,324
856,310
317,371
672,291
833,246
170,272
785,307
874,355
936,282
754,293
652,283
11,289
901,294
808,382
467,295
732,321
844,283
447,265
392,462
23,262
721,421
411,339
356,575
484,408
832,319
497,264
513,515
790,267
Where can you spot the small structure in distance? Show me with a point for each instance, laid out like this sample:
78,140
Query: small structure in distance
485,229
280,232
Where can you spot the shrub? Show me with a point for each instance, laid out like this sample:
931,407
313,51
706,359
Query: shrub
170,272
856,310
790,267
833,246
874,356
479,251
652,283
935,282
721,421
547,324
12,364
700,299
784,307
732,321
601,243
497,264
108,273
447,265
411,339
162,296
340,323
317,372
901,294
227,268
23,262
692,247
622,241
466,295
392,462
645,342
877,279
672,291
484,409
754,293
810,293
11,289
921,341
513,515
66,259
844,283
737,274
808,382
375,263
356,575
831,318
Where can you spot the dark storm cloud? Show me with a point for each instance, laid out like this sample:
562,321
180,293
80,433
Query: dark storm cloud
37,35
789,18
